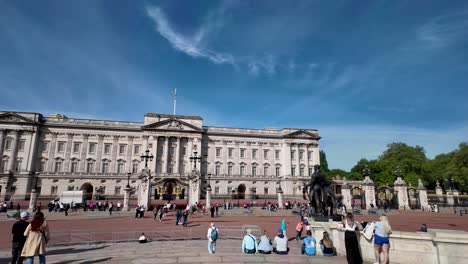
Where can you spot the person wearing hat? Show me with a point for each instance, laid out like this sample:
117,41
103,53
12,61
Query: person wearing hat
280,243
18,238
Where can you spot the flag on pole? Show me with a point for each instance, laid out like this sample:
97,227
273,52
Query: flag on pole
175,100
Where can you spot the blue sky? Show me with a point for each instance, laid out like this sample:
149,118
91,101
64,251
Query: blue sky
365,73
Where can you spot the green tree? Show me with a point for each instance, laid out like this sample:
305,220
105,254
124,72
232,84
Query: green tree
457,168
337,172
323,162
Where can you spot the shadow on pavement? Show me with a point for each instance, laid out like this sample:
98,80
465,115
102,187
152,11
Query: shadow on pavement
72,250
96,260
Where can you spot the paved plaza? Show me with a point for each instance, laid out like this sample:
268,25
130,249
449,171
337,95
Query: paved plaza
77,238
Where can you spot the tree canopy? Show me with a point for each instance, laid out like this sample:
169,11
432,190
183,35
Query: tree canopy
413,165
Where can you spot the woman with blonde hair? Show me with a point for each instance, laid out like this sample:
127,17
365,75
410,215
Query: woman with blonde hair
326,245
381,242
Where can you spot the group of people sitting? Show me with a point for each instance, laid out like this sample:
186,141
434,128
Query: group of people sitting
279,245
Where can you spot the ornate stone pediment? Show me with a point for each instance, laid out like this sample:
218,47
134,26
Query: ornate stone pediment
302,134
14,118
173,125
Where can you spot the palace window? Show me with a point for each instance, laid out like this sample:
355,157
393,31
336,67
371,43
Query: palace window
229,170
293,154
265,190
254,153
136,149
277,154
229,189
184,151
53,190
92,148
218,152
265,171
301,155
301,171
217,170
74,167
43,165
61,147
58,166
8,144
242,170
216,190
254,170
122,149
120,168
309,155
105,167
117,190
107,148
18,165
21,145
76,147
70,188
310,171
265,154
230,151
90,166
45,146
293,171
135,168
242,153
277,171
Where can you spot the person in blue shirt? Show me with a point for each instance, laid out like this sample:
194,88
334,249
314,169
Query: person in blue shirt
308,245
283,227
249,243
265,247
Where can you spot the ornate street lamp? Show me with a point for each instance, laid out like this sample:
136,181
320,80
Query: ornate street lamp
195,158
147,157
398,172
128,180
209,181
366,171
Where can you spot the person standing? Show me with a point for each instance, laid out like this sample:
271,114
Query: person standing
118,205
38,235
212,236
18,238
178,216
161,214
184,218
249,243
111,208
353,255
299,228
67,207
216,209
155,213
283,227
212,211
381,242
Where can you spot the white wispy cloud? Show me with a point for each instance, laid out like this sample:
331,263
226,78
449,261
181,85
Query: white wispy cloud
443,30
191,46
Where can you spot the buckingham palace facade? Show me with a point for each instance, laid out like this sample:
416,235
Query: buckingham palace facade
56,153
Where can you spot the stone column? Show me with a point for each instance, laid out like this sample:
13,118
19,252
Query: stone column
14,151
100,146
68,150
130,152
346,193
165,157
33,200
369,192
188,167
298,161
422,196
208,197
194,187
2,140
279,192
115,149
155,151
307,161
286,159
177,157
400,187
126,198
32,151
84,150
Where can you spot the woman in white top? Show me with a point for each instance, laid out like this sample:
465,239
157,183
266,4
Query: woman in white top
353,255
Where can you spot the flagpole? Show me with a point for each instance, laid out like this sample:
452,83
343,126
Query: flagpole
175,100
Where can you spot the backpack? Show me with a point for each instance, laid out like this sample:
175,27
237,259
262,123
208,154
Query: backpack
214,234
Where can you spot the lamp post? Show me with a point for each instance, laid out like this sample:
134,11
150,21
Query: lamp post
147,157
127,193
232,198
208,193
195,158
33,198
366,171
398,172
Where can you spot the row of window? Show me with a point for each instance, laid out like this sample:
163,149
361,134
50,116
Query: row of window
4,165
266,170
90,165
92,146
265,153
9,144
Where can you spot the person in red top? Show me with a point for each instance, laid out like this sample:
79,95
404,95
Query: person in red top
299,228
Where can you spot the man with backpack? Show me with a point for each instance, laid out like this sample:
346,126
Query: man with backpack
212,236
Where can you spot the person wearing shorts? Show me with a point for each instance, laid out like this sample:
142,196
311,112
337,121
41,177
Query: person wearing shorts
381,241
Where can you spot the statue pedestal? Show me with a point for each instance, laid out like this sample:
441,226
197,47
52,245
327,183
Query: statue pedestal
144,187
369,192
280,199
400,187
346,193
194,188
422,194
33,201
439,191
126,199
208,198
